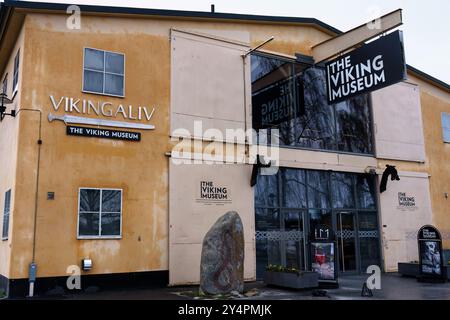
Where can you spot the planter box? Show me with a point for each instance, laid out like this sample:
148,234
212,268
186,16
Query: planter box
303,280
413,270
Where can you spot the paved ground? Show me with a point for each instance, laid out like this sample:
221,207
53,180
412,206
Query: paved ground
394,287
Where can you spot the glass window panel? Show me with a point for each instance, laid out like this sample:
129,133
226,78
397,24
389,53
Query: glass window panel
89,200
318,193
93,81
369,239
292,221
94,59
446,135
353,122
114,84
293,254
315,129
111,200
266,191
293,188
114,63
319,217
445,120
365,190
342,190
267,219
110,224
88,224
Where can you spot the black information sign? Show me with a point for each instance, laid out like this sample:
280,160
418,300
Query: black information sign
376,65
431,262
278,103
103,133
323,251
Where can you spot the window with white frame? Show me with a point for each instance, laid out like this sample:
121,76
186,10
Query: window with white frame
446,126
5,85
104,72
6,212
16,71
99,213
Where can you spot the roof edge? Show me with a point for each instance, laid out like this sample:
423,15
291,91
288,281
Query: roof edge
170,13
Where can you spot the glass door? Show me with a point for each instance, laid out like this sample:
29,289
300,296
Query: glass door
346,241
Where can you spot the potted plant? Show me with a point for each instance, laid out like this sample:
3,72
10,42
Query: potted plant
290,277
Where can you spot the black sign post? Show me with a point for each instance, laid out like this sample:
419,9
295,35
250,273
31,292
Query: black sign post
323,261
373,66
103,133
431,262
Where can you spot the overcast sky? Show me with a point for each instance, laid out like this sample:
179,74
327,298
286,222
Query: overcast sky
426,23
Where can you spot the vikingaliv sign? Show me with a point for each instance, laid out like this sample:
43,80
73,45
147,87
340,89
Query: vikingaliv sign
376,65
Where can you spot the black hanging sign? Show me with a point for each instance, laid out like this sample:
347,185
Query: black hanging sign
430,254
103,133
373,66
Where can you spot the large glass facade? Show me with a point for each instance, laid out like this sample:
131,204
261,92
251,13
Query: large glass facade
343,127
290,204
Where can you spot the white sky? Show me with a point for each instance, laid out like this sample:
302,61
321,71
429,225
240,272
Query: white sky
426,23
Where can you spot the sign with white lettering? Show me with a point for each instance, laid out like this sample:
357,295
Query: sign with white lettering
376,65
103,133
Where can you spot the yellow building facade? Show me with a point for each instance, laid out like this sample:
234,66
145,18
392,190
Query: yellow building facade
156,224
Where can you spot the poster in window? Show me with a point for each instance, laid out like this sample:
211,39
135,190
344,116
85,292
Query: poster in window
323,260
431,258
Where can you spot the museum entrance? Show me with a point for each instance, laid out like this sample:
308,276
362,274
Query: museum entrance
290,204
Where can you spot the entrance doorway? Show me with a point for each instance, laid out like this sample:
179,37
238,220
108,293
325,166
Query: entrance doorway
346,241
290,204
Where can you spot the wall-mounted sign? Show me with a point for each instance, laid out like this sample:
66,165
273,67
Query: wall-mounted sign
376,65
406,202
277,103
103,133
212,194
135,115
430,254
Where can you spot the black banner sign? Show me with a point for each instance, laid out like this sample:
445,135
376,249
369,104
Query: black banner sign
103,133
376,65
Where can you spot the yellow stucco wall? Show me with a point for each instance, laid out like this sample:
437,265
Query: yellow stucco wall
9,129
52,65
435,101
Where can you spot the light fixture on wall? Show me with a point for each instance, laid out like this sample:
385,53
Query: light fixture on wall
4,100
86,264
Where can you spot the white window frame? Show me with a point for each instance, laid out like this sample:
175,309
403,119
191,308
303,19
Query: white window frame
16,73
104,73
4,238
447,115
99,237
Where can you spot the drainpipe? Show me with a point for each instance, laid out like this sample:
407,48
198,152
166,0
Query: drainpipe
33,267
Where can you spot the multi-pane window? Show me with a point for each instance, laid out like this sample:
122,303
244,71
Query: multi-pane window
16,71
5,85
6,213
99,213
343,127
104,72
446,126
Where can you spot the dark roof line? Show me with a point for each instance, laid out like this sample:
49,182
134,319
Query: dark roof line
168,13
189,14
428,77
